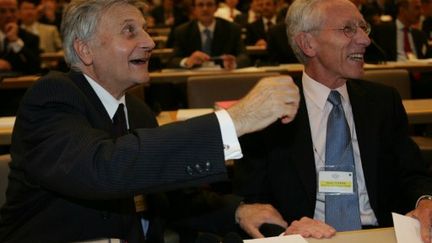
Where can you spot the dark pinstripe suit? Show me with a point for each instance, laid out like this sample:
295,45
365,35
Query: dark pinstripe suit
70,180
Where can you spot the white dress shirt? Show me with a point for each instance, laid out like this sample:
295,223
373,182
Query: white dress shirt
401,55
232,149
319,109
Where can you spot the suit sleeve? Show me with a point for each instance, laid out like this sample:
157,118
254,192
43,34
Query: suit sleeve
61,150
412,170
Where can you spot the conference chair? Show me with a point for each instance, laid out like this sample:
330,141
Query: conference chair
400,80
204,91
4,172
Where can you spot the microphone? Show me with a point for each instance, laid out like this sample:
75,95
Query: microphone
269,230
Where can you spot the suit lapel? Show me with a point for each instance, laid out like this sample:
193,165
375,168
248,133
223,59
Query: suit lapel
363,108
302,153
91,95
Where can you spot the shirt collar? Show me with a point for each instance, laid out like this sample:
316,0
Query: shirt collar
318,93
211,27
109,102
399,25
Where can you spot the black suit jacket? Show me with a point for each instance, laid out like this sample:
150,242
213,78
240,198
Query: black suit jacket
27,60
284,168
255,31
384,35
226,40
70,180
278,47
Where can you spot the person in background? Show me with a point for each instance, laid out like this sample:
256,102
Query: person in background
347,132
49,37
426,18
169,14
84,152
227,10
277,49
19,49
208,40
252,14
256,33
50,12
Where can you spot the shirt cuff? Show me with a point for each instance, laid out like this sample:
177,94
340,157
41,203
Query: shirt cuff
232,149
183,63
16,46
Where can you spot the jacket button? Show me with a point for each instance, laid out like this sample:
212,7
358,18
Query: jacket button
189,170
207,166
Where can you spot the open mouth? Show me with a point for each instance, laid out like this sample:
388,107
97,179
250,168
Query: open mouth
359,57
139,61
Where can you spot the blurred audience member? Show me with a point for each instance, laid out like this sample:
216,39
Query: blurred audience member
256,33
168,14
50,12
49,37
252,15
426,18
227,10
19,49
207,40
278,50
370,12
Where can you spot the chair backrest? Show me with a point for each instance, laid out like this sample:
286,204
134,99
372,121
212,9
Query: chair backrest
204,91
396,78
4,173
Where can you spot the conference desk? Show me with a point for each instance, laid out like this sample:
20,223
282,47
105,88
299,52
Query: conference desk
382,235
418,111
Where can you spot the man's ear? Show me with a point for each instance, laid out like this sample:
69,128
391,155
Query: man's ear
83,50
305,41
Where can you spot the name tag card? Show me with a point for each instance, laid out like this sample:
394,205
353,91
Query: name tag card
335,182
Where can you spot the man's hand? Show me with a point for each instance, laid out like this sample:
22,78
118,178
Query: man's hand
197,58
229,62
272,98
423,213
251,216
11,32
308,227
5,65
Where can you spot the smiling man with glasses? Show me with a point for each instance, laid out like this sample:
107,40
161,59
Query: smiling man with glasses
346,161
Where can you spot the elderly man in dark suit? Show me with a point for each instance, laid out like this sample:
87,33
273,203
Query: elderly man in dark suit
19,49
346,161
83,151
207,38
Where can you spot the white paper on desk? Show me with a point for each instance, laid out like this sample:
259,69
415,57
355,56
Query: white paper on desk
184,114
407,229
7,121
279,239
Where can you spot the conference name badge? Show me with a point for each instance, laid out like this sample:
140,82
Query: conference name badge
335,182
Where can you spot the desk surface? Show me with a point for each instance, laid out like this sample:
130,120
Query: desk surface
383,235
418,111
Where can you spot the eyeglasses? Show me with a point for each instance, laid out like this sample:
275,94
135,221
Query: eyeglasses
351,29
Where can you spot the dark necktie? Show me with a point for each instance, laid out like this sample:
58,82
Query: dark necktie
119,122
269,25
341,211
207,42
407,46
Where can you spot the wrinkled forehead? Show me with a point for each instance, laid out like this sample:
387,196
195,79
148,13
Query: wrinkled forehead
339,12
122,12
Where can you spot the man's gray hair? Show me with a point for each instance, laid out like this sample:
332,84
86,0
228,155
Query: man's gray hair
302,16
80,20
